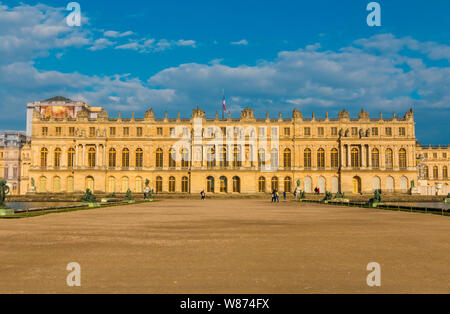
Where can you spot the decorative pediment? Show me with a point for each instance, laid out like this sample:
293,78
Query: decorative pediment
150,114
247,114
364,116
297,115
344,115
197,113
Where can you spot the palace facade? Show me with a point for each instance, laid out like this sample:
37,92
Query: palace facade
75,147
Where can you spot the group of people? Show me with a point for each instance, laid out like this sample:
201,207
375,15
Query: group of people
317,190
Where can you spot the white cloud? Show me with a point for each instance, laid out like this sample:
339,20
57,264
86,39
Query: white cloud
242,42
115,34
100,44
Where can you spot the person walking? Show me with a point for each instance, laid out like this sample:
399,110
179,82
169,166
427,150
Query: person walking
273,196
277,196
284,195
203,194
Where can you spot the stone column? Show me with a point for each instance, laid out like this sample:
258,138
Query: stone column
369,156
349,156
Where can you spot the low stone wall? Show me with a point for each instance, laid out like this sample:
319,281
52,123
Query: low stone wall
351,197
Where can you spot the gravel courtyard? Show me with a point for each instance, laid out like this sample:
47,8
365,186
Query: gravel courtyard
226,246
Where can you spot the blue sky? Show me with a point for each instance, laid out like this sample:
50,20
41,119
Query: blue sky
271,55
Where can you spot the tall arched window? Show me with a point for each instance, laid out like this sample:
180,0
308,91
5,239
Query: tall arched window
172,158
112,158
262,184
287,184
321,158
185,160
275,183
125,158
224,161
355,157
425,172
172,185
237,161
70,157
139,158
210,184
57,159
261,158
223,185
375,158
445,173
402,158
236,185
287,160
184,185
44,156
91,157
274,159
159,158
334,158
435,172
307,158
159,183
389,159
211,157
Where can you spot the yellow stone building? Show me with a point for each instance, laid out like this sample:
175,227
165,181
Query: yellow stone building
75,146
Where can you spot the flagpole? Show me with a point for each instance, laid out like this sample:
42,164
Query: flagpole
223,109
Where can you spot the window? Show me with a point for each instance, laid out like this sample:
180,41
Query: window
334,131
275,184
139,158
172,132
57,158
354,131
237,160
425,172
355,157
185,158
435,172
388,131
444,155
287,160
172,185
44,131
321,158
139,132
112,158
402,131
211,157
262,184
262,131
274,159
91,157
71,131
70,157
374,131
402,158
287,184
44,155
184,185
375,158
236,185
159,131
58,131
445,173
159,183
261,158
159,158
321,131
389,159
287,131
334,158
125,158
307,131
210,184
307,158
435,156
223,185
224,161
91,132
112,131
172,158
126,131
